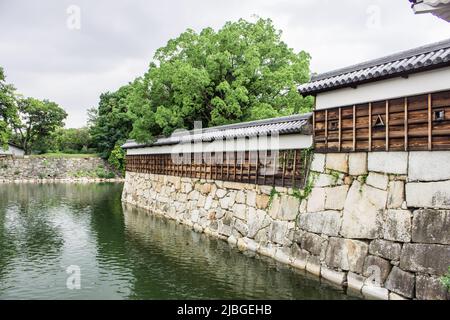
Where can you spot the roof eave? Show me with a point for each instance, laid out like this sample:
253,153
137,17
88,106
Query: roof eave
372,80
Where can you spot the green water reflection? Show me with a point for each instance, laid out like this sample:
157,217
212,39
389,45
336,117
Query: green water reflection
125,253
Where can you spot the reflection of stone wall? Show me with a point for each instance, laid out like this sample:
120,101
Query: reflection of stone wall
376,222
50,168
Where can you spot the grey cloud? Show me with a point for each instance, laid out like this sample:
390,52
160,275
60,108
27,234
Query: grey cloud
117,39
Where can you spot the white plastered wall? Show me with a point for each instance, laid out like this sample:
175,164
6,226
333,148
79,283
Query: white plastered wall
283,142
419,83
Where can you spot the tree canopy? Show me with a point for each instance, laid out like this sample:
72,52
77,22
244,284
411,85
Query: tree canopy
111,122
8,109
244,71
37,120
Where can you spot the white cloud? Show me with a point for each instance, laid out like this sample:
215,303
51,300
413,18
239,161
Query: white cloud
117,39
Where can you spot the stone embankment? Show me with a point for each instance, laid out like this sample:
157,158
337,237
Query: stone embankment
45,170
377,224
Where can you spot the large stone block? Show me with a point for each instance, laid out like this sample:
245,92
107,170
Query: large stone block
251,198
318,162
257,220
425,258
239,211
233,185
337,161
335,197
346,254
220,193
430,288
376,268
428,194
388,162
299,257
325,222
313,265
357,163
377,180
240,196
336,277
386,249
312,243
355,281
240,227
262,201
396,194
375,292
429,165
284,207
431,226
401,282
327,180
397,225
278,231
363,212
316,200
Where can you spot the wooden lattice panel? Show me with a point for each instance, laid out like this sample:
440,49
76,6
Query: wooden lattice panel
411,123
279,168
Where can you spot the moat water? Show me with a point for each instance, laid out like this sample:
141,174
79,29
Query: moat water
76,241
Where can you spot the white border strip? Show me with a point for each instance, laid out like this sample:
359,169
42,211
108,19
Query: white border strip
284,142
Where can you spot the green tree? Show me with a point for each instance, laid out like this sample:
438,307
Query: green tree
244,71
8,109
37,120
111,121
117,158
72,140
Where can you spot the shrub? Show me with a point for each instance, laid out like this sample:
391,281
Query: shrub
446,280
100,172
117,158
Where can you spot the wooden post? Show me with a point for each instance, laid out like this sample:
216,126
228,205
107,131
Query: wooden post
354,127
228,166
275,163
265,167
370,126
242,165
210,166
235,165
314,127
430,140
294,167
249,164
326,129
387,125
405,123
283,172
257,167
340,130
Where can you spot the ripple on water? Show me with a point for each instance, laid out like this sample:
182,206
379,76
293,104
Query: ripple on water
125,254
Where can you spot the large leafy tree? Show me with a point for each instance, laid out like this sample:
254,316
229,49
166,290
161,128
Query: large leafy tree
37,120
111,122
244,71
8,109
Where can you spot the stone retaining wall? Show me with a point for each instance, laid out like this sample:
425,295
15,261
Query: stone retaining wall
44,169
377,224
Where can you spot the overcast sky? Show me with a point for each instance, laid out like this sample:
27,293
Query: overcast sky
46,55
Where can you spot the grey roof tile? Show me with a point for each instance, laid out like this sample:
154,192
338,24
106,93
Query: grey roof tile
423,58
280,125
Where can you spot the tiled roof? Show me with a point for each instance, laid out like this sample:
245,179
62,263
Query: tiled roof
281,125
439,8
415,60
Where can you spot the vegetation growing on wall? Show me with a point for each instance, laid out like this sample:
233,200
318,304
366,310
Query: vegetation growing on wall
446,280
